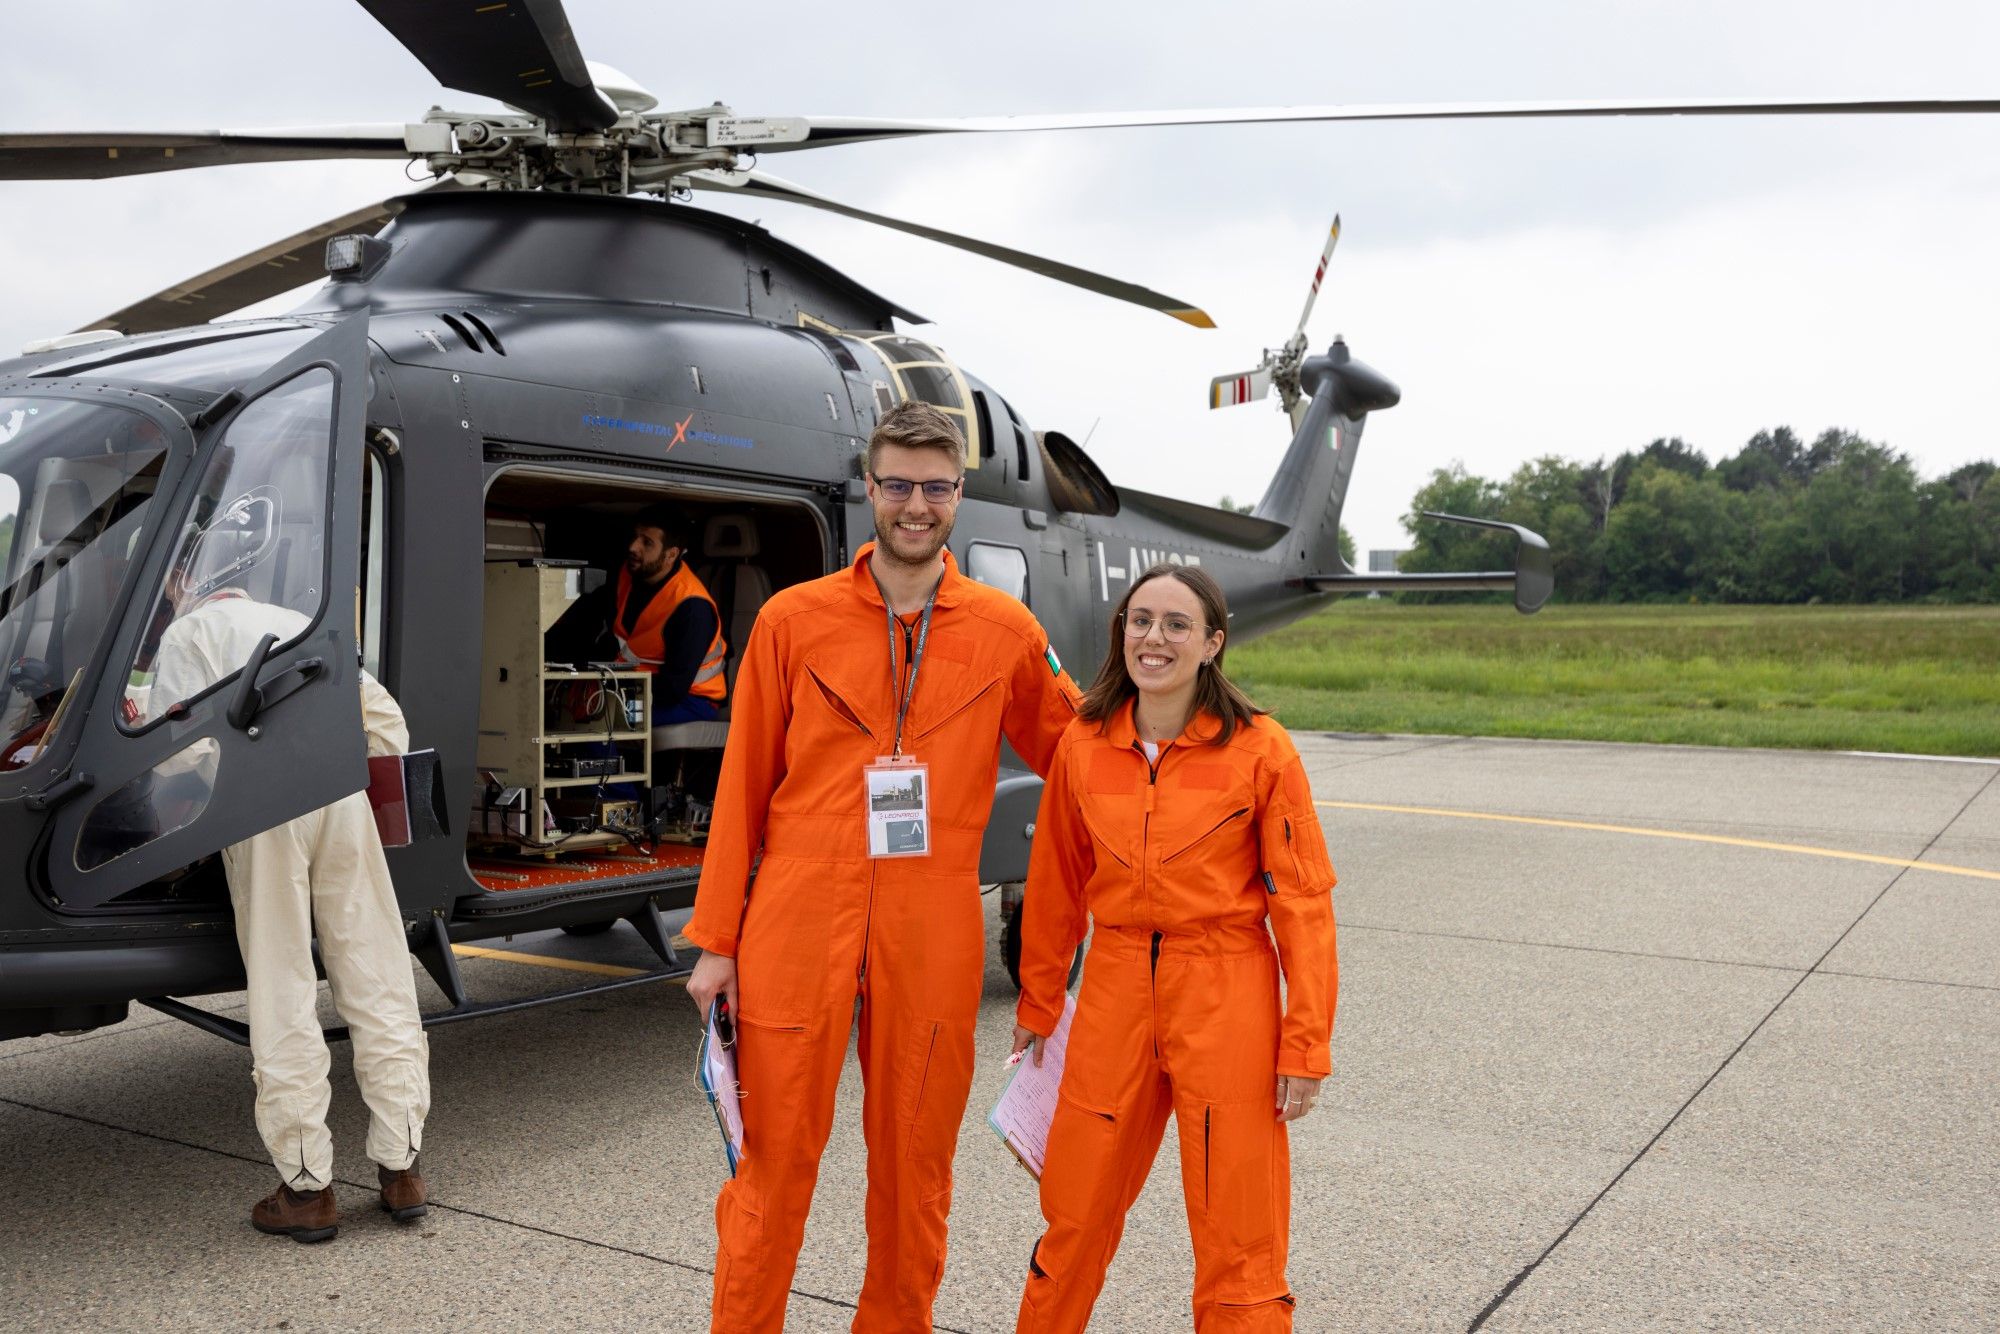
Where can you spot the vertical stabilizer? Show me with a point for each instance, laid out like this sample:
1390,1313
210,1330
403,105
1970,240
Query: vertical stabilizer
1311,482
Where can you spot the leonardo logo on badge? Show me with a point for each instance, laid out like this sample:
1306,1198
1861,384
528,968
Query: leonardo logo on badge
898,808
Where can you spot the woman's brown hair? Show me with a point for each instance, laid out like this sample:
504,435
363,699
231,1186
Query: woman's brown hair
1213,692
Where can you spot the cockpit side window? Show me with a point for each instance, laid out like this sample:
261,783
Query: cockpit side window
920,371
252,544
76,480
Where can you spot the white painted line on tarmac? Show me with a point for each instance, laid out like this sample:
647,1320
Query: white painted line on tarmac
1899,755
1799,849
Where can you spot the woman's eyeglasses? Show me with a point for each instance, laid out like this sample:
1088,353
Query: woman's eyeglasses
899,489
1174,629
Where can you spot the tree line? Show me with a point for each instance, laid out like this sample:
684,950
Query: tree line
1842,519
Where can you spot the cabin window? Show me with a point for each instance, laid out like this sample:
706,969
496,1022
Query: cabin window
985,424
256,534
1021,442
999,566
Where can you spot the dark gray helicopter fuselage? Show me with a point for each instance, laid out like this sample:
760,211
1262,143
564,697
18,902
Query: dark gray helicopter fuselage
521,337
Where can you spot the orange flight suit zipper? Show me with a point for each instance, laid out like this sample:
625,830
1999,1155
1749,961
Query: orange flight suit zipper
1145,838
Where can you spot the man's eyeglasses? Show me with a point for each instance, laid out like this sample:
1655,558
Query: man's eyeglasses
899,489
1174,629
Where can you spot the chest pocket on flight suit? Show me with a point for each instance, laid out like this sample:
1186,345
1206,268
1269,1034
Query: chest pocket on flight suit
1112,784
951,690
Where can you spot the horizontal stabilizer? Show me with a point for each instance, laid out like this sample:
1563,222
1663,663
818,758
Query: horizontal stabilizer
1226,391
1531,579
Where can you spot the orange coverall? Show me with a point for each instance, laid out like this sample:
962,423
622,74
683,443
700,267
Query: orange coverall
823,923
1181,864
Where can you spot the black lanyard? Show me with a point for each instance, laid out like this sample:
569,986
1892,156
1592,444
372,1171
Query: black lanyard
916,655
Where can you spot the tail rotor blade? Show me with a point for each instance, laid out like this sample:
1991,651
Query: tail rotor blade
1319,274
1226,391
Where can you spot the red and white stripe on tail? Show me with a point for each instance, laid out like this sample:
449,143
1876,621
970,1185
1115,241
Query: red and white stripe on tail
1226,391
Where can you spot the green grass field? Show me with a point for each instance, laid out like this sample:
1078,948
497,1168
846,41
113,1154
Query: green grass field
1917,679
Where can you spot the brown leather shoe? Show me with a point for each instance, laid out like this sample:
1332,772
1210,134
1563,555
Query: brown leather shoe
403,1195
304,1216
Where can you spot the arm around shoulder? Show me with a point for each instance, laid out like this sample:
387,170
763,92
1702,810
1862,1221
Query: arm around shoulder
1042,699
1054,916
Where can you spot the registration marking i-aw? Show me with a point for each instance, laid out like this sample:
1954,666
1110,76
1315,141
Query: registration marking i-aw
1136,559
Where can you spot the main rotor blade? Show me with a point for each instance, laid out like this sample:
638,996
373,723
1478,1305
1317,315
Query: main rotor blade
520,52
762,186
77,157
265,272
825,131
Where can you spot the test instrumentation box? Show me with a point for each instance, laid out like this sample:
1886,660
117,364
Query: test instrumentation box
556,734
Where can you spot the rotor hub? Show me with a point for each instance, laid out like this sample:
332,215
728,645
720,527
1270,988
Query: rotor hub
642,152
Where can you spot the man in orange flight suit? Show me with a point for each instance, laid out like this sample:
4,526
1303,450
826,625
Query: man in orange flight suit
898,642
657,617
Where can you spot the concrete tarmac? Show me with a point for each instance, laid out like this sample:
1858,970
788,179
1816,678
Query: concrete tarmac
1629,1037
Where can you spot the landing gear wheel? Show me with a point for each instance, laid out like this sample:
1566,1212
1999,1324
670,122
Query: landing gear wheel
589,928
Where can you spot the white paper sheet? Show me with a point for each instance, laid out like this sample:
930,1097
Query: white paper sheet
1028,1104
717,1073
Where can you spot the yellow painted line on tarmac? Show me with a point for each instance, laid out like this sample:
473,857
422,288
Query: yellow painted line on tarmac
1724,840
546,961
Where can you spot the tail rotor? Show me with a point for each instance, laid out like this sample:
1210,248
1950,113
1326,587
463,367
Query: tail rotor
1280,366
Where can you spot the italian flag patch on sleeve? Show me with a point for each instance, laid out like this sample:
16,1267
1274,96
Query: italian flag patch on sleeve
1055,663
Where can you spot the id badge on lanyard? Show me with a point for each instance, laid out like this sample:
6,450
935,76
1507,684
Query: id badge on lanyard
898,786
899,807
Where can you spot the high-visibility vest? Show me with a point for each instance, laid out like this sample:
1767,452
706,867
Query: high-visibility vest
645,645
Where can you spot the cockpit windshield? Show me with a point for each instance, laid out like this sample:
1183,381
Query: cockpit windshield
220,360
75,481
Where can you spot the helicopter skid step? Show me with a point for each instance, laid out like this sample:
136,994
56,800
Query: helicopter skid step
434,950
238,1032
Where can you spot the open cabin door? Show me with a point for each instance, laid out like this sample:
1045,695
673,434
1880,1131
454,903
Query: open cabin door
181,754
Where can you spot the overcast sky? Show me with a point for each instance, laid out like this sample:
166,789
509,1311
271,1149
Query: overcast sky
1569,288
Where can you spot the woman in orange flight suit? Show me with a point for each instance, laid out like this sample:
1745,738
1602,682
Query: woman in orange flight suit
1178,818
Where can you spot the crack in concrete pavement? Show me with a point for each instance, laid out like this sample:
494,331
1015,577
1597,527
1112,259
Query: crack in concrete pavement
1514,1284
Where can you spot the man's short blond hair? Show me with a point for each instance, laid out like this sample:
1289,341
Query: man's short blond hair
917,425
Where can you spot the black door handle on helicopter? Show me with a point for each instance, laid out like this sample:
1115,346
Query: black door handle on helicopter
249,699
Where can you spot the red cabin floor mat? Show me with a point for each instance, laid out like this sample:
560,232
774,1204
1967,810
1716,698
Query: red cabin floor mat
503,873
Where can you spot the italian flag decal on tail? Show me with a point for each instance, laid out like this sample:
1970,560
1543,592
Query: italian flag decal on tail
1055,663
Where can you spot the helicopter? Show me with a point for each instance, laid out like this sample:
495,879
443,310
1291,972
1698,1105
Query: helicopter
431,456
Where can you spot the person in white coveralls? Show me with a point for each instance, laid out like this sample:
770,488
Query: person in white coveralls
323,872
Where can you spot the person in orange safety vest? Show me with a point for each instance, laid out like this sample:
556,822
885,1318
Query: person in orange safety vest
656,617
897,656
1178,819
